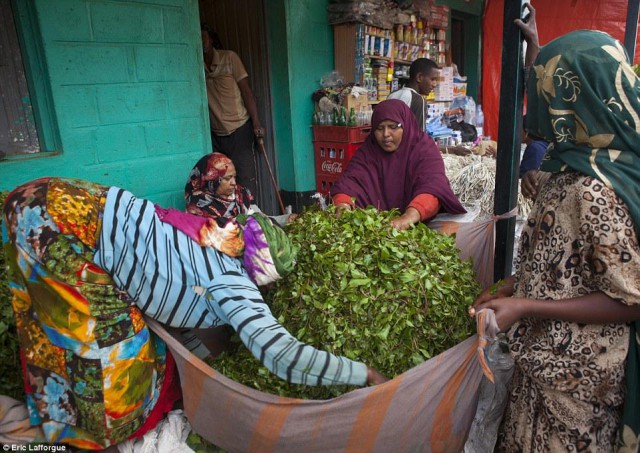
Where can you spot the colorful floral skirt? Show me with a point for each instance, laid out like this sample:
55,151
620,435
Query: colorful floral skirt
94,373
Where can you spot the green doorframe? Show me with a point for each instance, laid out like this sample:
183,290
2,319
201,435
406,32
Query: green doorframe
300,45
37,75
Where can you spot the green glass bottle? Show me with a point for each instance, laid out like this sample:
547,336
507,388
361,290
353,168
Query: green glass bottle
353,120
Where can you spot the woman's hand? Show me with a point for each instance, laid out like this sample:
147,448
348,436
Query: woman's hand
498,298
406,220
508,310
401,223
502,288
341,207
375,378
530,33
530,184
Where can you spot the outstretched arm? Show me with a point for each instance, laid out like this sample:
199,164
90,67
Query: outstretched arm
594,308
237,301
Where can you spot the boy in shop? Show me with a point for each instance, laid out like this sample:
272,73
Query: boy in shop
423,75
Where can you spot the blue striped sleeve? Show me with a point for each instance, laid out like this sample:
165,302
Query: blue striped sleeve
236,300
175,281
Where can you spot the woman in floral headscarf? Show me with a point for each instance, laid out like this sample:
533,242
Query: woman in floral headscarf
572,307
212,190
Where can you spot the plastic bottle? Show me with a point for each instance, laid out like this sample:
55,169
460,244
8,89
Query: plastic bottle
479,121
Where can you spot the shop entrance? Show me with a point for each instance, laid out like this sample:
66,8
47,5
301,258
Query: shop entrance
465,48
241,26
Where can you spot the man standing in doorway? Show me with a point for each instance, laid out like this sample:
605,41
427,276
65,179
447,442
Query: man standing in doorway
423,77
233,113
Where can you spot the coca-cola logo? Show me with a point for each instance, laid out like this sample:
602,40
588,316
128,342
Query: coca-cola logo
331,166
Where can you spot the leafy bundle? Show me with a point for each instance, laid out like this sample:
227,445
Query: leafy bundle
391,299
10,369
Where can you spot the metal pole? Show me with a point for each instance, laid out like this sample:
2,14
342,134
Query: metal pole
509,138
631,30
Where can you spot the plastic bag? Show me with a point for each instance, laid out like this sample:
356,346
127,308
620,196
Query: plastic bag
331,80
169,435
492,400
467,104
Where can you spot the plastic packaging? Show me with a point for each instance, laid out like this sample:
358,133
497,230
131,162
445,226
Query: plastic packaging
480,120
492,400
468,105
332,79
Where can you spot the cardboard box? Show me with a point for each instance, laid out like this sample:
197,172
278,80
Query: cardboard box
459,89
358,103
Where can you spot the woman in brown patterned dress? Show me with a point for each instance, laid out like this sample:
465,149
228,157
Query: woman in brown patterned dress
572,307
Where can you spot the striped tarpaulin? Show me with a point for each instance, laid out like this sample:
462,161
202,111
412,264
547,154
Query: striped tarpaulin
429,408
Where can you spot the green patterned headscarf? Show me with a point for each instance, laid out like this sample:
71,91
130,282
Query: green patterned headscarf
584,99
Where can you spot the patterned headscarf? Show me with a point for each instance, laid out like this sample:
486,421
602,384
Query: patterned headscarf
204,180
584,99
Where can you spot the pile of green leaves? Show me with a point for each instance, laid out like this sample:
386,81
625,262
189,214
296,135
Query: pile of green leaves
362,289
10,368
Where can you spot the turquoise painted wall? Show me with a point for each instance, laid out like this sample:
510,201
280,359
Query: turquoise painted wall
300,52
127,92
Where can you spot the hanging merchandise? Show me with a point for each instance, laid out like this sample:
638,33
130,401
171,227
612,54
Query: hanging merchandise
380,14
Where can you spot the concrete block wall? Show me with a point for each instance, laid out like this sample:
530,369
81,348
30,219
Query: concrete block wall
127,86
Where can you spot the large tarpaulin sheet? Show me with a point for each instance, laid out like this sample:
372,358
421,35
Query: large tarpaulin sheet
428,408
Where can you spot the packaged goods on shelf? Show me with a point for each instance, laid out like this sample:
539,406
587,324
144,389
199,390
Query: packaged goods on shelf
444,88
357,44
436,109
459,86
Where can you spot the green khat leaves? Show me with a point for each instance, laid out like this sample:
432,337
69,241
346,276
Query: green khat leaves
391,299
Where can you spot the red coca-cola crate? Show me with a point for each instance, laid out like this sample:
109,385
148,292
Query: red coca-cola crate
343,134
325,182
331,161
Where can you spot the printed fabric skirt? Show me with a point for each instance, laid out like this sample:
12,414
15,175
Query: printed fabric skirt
94,373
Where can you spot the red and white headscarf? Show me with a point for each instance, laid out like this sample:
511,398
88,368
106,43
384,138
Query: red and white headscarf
204,180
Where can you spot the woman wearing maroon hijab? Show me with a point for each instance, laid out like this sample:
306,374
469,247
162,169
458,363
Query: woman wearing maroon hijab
398,166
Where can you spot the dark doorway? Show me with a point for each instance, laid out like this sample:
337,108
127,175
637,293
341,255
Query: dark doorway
458,44
246,35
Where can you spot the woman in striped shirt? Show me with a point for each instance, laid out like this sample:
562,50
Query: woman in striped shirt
86,262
